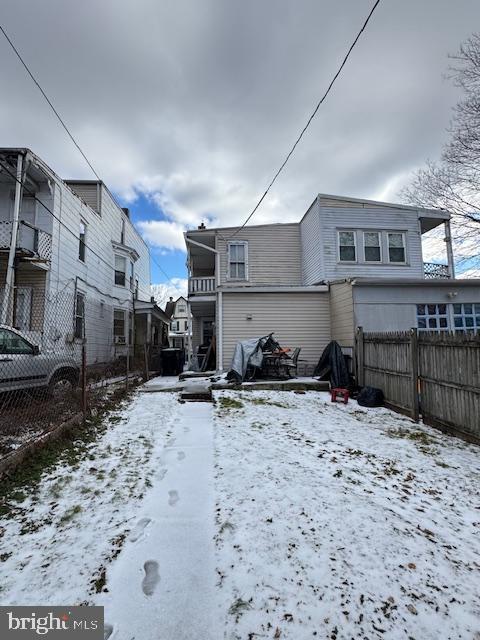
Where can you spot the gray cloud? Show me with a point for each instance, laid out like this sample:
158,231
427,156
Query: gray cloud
196,103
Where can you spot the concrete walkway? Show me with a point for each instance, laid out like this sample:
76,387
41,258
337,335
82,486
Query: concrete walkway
163,585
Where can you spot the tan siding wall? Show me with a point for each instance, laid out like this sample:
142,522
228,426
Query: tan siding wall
341,313
35,279
312,266
274,255
298,320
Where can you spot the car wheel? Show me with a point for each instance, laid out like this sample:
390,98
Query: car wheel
61,387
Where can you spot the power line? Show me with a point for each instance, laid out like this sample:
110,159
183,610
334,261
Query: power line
319,103
166,275
17,53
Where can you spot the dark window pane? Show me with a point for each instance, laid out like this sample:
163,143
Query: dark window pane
477,321
397,255
347,254
458,320
443,323
421,309
422,323
469,321
457,308
432,323
442,309
120,278
372,254
432,309
468,308
477,308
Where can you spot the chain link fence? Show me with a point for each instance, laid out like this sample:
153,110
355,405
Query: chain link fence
65,358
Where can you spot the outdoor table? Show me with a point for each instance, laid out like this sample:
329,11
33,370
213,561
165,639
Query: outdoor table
272,362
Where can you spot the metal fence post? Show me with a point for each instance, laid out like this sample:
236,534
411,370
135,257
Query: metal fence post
84,380
360,358
414,366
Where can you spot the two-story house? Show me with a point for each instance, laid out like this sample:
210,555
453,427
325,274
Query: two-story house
346,263
178,311
73,268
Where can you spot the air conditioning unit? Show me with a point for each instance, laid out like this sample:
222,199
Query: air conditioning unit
120,340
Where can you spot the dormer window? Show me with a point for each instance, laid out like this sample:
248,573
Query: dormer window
347,248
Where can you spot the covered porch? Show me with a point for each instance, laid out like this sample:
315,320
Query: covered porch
204,333
151,334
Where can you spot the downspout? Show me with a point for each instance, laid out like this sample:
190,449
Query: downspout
7,312
448,241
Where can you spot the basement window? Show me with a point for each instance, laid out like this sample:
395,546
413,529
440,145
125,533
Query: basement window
432,317
466,317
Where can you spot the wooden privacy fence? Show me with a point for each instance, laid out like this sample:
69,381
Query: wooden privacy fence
435,375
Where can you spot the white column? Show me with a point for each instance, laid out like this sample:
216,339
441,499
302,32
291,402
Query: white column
448,241
6,316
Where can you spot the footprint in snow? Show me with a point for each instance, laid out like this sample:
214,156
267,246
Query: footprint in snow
140,527
173,498
181,455
151,578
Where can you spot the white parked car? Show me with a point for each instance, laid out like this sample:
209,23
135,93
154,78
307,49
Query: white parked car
24,367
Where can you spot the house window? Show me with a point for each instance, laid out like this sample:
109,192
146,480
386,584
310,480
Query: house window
81,241
80,316
466,317
372,246
186,325
102,309
238,260
347,249
122,233
120,270
182,309
119,326
432,317
132,277
396,247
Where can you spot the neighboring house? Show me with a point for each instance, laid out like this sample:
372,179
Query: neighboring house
179,314
304,280
78,267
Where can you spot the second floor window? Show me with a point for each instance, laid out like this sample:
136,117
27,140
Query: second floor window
396,247
81,241
347,249
120,270
372,246
238,260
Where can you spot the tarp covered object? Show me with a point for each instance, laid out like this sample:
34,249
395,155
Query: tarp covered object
332,365
370,397
247,353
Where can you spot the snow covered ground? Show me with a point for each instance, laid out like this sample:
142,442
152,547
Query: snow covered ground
341,522
267,515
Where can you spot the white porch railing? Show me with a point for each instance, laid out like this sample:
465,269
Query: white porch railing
201,285
30,239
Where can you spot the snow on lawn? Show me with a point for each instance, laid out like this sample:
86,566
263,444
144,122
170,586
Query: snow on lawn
342,522
58,536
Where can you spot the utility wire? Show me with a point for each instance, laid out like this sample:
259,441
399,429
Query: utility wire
320,102
17,53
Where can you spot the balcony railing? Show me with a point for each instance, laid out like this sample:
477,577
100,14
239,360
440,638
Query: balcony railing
432,270
31,241
201,285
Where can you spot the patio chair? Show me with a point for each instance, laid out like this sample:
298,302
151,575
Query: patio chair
291,366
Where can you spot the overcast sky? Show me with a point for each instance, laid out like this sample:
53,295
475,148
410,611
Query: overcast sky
186,108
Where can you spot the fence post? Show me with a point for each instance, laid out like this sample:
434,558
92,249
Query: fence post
360,358
414,365
147,373
84,380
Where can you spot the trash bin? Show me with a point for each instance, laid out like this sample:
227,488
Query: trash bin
172,361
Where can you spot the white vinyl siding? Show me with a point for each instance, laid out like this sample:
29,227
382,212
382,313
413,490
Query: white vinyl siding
274,255
298,319
341,313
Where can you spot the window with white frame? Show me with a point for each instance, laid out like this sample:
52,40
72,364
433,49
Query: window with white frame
238,260
120,270
432,317
372,246
347,247
79,315
82,241
466,317
396,247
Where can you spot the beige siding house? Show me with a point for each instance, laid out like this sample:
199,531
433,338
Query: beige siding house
346,263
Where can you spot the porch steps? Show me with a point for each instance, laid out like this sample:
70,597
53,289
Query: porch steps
200,392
